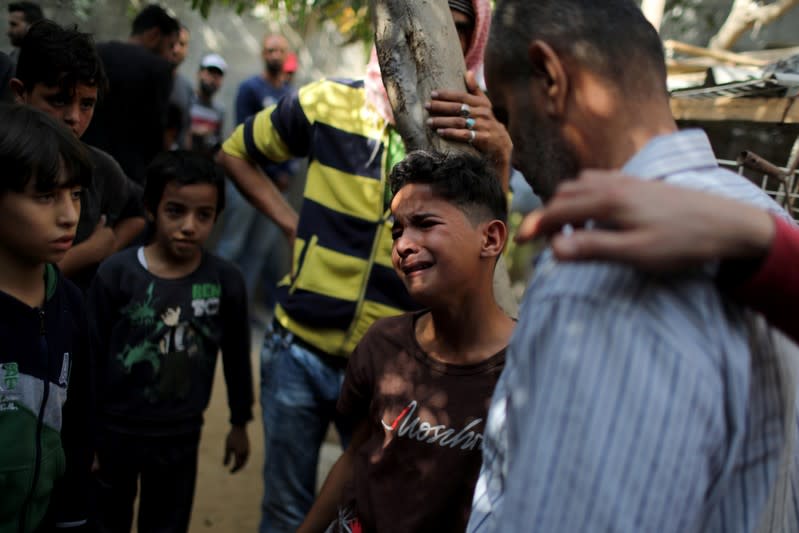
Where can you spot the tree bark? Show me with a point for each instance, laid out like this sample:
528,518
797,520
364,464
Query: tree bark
419,51
745,15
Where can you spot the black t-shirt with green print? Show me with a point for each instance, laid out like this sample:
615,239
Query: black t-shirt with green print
157,341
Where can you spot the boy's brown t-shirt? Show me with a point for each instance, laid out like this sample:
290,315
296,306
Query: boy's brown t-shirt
418,469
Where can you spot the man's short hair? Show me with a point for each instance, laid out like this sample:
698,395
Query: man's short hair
182,167
465,180
155,16
33,146
611,38
56,56
32,12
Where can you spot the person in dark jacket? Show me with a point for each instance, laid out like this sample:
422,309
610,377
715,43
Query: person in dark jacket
45,380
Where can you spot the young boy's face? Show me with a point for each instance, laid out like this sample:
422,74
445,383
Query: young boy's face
75,110
436,248
39,227
184,220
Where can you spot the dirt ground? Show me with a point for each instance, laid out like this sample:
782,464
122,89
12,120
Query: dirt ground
225,502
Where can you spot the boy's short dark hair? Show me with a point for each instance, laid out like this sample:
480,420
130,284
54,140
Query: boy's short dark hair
57,56
155,16
35,146
181,167
465,180
31,11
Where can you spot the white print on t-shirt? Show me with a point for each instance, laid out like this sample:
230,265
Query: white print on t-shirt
413,427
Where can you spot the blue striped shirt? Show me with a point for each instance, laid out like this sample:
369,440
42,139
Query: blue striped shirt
634,403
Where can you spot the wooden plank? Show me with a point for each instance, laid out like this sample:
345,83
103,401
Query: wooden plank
719,55
776,110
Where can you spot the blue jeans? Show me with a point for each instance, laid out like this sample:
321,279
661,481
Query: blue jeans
298,396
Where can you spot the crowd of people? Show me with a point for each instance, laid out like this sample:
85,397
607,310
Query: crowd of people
648,382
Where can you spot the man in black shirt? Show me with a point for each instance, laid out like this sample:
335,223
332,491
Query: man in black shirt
130,123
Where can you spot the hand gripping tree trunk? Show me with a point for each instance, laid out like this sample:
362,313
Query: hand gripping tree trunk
419,51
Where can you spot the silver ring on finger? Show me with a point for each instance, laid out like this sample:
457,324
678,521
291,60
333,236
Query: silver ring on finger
465,110
472,135
470,122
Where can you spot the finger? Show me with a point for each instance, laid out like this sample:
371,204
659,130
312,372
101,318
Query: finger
583,245
464,136
458,123
471,84
528,229
241,460
453,109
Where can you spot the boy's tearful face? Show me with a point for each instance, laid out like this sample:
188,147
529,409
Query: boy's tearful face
185,218
436,248
39,227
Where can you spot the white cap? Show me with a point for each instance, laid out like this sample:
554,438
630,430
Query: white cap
214,61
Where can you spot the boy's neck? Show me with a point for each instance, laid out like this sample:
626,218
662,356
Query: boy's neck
467,333
23,281
162,265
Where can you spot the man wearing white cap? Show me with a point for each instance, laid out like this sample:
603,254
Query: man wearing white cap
207,116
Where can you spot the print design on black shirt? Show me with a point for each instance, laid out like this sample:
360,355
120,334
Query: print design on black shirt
175,343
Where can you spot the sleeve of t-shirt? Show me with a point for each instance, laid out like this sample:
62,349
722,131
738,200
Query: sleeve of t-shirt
123,197
280,132
235,345
774,287
356,391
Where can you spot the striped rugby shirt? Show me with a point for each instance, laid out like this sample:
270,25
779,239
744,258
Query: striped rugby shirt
634,403
344,278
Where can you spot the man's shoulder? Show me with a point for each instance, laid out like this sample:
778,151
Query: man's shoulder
102,160
681,308
725,182
132,59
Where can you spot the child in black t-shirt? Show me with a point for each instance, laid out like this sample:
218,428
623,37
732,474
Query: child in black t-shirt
418,385
162,312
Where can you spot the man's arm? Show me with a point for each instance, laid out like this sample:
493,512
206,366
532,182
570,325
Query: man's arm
236,364
261,192
126,230
325,508
100,244
609,427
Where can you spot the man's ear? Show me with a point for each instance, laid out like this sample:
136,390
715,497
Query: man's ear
18,90
495,234
549,68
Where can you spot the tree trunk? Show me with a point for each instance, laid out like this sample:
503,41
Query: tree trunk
653,11
746,14
419,51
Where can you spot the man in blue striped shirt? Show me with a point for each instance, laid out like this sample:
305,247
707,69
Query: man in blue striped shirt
628,402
